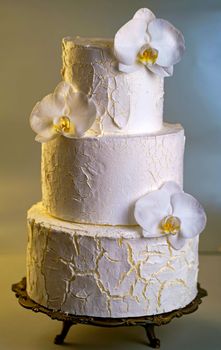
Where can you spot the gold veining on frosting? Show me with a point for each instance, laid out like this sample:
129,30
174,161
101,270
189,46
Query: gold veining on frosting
120,279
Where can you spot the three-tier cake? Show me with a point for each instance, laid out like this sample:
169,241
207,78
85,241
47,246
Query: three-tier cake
115,234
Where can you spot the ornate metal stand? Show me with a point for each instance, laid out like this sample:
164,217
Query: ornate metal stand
148,322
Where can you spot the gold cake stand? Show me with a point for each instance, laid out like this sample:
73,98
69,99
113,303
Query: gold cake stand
148,322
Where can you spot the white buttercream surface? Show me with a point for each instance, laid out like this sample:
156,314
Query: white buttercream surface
106,271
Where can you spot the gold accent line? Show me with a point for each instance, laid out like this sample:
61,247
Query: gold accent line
120,241
160,293
76,245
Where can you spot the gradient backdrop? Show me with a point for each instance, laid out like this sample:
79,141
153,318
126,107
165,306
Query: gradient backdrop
30,62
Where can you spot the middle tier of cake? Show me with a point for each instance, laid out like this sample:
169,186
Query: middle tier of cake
97,180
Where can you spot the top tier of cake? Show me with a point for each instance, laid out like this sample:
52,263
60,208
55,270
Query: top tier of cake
126,103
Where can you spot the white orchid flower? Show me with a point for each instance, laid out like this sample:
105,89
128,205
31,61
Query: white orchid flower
150,41
64,112
172,213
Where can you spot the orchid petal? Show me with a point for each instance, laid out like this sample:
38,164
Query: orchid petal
43,114
129,68
145,14
150,210
169,70
129,39
63,88
82,112
45,139
191,214
161,71
177,241
168,40
171,187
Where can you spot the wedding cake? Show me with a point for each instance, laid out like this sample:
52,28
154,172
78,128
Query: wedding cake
115,234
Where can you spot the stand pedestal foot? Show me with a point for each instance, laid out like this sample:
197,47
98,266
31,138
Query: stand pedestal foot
154,341
59,339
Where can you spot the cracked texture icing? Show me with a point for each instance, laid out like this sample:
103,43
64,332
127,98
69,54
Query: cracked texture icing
86,254
98,179
106,271
126,103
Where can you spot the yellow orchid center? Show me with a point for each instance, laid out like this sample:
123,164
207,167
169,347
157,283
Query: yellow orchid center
148,56
170,224
64,125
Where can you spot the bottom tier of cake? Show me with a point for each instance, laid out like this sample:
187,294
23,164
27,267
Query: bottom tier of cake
106,271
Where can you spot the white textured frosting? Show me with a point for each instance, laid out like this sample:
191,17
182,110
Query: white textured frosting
106,271
126,103
98,179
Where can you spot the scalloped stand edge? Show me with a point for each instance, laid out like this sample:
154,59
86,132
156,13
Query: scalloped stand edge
148,322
